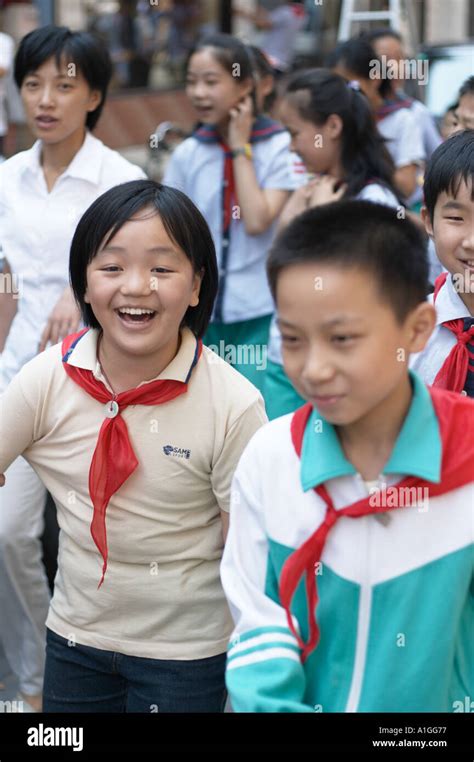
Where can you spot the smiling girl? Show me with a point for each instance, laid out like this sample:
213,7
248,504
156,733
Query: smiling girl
136,428
63,78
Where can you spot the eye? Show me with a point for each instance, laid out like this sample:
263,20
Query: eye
161,270
30,84
455,219
110,269
343,339
287,339
65,86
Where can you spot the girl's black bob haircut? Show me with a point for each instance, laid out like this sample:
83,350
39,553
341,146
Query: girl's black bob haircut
450,165
84,50
182,221
363,235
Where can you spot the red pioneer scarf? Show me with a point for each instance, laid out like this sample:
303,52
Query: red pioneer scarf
453,412
114,460
453,372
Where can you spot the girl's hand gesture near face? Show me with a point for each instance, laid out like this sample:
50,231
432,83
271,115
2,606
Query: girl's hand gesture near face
324,189
240,125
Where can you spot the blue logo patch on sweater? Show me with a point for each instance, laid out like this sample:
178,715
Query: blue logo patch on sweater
177,452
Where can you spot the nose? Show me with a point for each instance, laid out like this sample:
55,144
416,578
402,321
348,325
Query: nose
198,89
318,368
468,242
46,96
137,282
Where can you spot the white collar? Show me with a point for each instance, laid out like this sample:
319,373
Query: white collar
449,305
86,164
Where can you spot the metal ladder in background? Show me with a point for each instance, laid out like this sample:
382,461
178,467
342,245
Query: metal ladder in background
396,11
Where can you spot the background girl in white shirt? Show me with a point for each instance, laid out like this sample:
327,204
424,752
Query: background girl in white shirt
237,169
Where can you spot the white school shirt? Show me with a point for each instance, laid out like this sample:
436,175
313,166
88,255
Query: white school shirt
449,306
403,137
429,131
36,229
197,168
7,48
377,194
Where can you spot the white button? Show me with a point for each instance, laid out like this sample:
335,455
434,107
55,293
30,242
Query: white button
464,392
112,409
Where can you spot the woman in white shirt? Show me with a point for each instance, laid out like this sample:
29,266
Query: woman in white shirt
63,78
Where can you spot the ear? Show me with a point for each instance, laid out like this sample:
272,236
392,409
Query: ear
420,325
267,83
427,221
246,87
334,126
95,98
197,281
86,297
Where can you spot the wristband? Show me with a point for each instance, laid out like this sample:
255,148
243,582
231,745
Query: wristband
245,150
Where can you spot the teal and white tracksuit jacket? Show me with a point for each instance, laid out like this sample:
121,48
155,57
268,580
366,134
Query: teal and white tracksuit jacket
396,597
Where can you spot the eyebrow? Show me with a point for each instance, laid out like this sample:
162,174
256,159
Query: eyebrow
206,73
453,205
56,76
123,250
325,324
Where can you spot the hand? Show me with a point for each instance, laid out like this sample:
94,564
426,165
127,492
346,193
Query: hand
63,320
240,126
2,480
321,190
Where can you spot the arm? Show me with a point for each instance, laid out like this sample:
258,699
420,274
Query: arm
410,153
63,320
405,179
264,669
259,207
17,420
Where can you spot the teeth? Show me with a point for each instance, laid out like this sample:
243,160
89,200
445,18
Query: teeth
134,311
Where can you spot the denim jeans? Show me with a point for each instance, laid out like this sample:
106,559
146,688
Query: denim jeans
83,679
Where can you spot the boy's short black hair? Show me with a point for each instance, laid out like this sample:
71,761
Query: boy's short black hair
358,234
450,165
467,88
182,221
81,48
